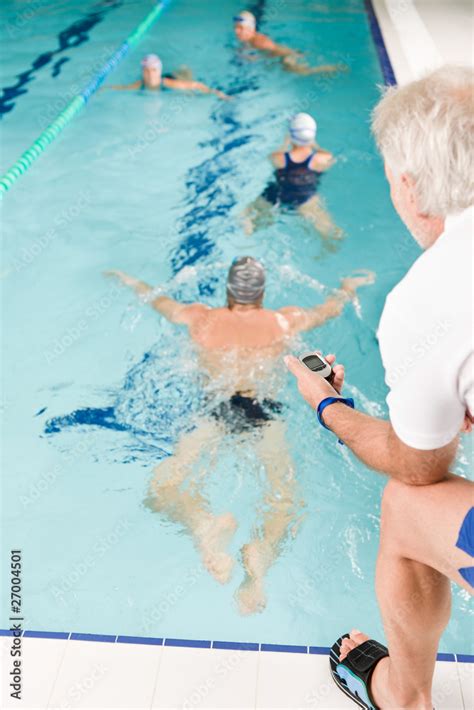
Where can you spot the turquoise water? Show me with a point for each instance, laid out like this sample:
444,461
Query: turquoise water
94,388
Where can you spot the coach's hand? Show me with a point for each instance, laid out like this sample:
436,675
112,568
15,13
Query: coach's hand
313,387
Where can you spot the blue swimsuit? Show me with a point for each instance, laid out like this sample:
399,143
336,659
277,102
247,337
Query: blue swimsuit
294,184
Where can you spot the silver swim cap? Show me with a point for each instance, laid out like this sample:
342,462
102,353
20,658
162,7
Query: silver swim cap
246,280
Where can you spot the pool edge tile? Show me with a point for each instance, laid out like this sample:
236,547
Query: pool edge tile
446,657
61,635
319,650
100,638
464,658
187,643
141,640
283,648
235,646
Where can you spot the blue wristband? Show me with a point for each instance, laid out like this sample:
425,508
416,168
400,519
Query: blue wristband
330,400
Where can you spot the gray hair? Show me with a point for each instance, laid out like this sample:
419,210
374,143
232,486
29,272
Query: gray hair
425,129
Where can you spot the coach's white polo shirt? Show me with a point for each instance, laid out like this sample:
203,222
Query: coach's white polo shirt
426,340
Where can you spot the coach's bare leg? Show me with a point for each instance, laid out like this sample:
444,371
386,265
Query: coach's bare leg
417,558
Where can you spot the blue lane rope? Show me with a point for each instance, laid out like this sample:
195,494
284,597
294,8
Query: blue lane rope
77,103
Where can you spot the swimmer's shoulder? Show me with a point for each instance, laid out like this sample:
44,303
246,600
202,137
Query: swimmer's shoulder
291,319
193,314
261,41
321,160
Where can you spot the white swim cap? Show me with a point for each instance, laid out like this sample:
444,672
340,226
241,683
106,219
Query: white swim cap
152,61
246,19
302,129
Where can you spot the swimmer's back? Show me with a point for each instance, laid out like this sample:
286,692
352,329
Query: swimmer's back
223,328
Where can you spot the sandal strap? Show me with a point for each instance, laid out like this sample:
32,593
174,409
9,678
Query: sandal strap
365,657
363,660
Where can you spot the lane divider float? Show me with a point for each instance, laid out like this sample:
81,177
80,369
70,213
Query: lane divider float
77,103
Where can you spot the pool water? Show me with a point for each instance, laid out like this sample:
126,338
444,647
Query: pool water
97,388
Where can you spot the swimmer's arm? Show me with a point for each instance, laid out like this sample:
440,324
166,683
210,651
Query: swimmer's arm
278,159
186,314
181,313
265,44
186,85
140,287
125,87
323,160
300,319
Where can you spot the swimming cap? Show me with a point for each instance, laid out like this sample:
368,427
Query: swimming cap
152,61
246,280
246,19
302,129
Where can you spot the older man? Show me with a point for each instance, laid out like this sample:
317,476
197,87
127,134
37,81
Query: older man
424,131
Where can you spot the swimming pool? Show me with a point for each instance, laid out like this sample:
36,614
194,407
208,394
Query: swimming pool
154,185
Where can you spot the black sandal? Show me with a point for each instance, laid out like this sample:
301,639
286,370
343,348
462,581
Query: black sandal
353,674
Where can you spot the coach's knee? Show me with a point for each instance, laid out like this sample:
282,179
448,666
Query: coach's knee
395,497
397,501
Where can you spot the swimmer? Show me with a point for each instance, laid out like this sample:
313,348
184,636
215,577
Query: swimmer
245,28
299,166
153,79
239,350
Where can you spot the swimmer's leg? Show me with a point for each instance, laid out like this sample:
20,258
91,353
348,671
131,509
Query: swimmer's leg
294,65
188,506
280,517
260,213
313,211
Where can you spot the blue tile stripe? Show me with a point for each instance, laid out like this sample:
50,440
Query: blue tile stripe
320,650
93,637
46,634
235,646
384,59
147,640
197,643
283,648
464,658
446,657
188,643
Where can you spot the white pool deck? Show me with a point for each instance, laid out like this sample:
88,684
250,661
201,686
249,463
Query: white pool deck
87,674
418,34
